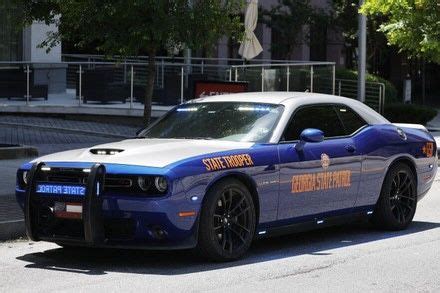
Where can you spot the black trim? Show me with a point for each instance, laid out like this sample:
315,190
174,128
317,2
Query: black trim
313,224
281,141
92,208
29,212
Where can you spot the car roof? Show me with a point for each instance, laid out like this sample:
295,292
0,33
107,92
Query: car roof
293,100
252,97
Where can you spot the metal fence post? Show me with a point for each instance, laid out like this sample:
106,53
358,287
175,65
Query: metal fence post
27,84
230,74
163,73
182,80
262,79
203,67
339,87
311,78
156,80
236,73
288,78
125,71
131,86
334,79
80,85
380,99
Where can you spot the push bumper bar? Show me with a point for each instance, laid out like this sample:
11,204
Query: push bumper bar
91,212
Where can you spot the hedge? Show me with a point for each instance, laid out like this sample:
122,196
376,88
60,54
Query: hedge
390,89
409,113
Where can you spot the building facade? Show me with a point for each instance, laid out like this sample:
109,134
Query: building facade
323,44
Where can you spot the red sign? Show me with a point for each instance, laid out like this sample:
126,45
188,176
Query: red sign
205,88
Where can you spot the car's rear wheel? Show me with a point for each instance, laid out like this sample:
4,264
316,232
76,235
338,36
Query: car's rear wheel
227,221
397,204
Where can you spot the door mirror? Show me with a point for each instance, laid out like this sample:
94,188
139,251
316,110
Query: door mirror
310,135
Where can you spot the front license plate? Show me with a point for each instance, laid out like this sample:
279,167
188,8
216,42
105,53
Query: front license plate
60,189
68,210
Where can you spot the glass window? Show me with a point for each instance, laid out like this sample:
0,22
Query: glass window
321,117
233,121
351,120
11,41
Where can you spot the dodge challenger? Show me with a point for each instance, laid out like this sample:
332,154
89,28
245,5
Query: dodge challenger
216,173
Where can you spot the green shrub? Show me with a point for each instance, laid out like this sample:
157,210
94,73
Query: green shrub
390,89
409,113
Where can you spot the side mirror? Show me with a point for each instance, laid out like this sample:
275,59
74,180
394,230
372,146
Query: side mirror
310,135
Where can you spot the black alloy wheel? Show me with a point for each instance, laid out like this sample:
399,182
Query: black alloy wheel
402,196
397,204
227,222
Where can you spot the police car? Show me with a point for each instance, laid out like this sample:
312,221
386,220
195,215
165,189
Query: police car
217,172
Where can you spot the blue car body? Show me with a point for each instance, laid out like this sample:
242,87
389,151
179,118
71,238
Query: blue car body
328,180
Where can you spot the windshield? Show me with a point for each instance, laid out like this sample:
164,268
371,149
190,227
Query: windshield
232,121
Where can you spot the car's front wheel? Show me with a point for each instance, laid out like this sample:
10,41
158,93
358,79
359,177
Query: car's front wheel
397,204
227,221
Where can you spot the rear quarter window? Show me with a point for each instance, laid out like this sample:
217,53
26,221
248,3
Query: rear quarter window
350,119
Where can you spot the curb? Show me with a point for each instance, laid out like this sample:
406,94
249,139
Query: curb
67,130
10,230
17,152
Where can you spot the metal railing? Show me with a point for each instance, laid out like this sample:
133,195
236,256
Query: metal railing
78,83
192,60
304,76
123,85
374,92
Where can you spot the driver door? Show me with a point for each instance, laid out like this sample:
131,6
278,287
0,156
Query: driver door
324,176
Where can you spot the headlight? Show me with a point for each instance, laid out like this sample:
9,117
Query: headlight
144,183
161,183
24,177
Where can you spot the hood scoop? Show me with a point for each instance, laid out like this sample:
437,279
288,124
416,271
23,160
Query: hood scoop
106,152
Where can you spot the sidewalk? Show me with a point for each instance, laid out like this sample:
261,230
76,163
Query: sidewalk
11,215
66,103
51,135
82,127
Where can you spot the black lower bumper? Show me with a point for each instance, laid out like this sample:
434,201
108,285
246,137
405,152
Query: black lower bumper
91,223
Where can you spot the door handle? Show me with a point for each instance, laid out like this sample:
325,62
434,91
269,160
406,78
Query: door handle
350,148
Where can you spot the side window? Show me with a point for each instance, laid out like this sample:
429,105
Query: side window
350,119
323,117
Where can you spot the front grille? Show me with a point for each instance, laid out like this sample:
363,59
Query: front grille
113,184
78,176
118,182
60,175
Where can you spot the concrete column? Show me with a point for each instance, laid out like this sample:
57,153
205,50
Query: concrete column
223,50
33,35
48,70
266,42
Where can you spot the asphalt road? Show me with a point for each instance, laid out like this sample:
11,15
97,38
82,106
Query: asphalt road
350,258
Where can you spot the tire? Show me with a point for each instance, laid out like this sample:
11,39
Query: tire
227,221
397,203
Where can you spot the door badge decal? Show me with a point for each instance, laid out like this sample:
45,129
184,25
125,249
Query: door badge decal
325,161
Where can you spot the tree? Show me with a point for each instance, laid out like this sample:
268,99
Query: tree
287,20
412,25
127,28
344,17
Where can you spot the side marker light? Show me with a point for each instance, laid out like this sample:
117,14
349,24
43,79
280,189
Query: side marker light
187,214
